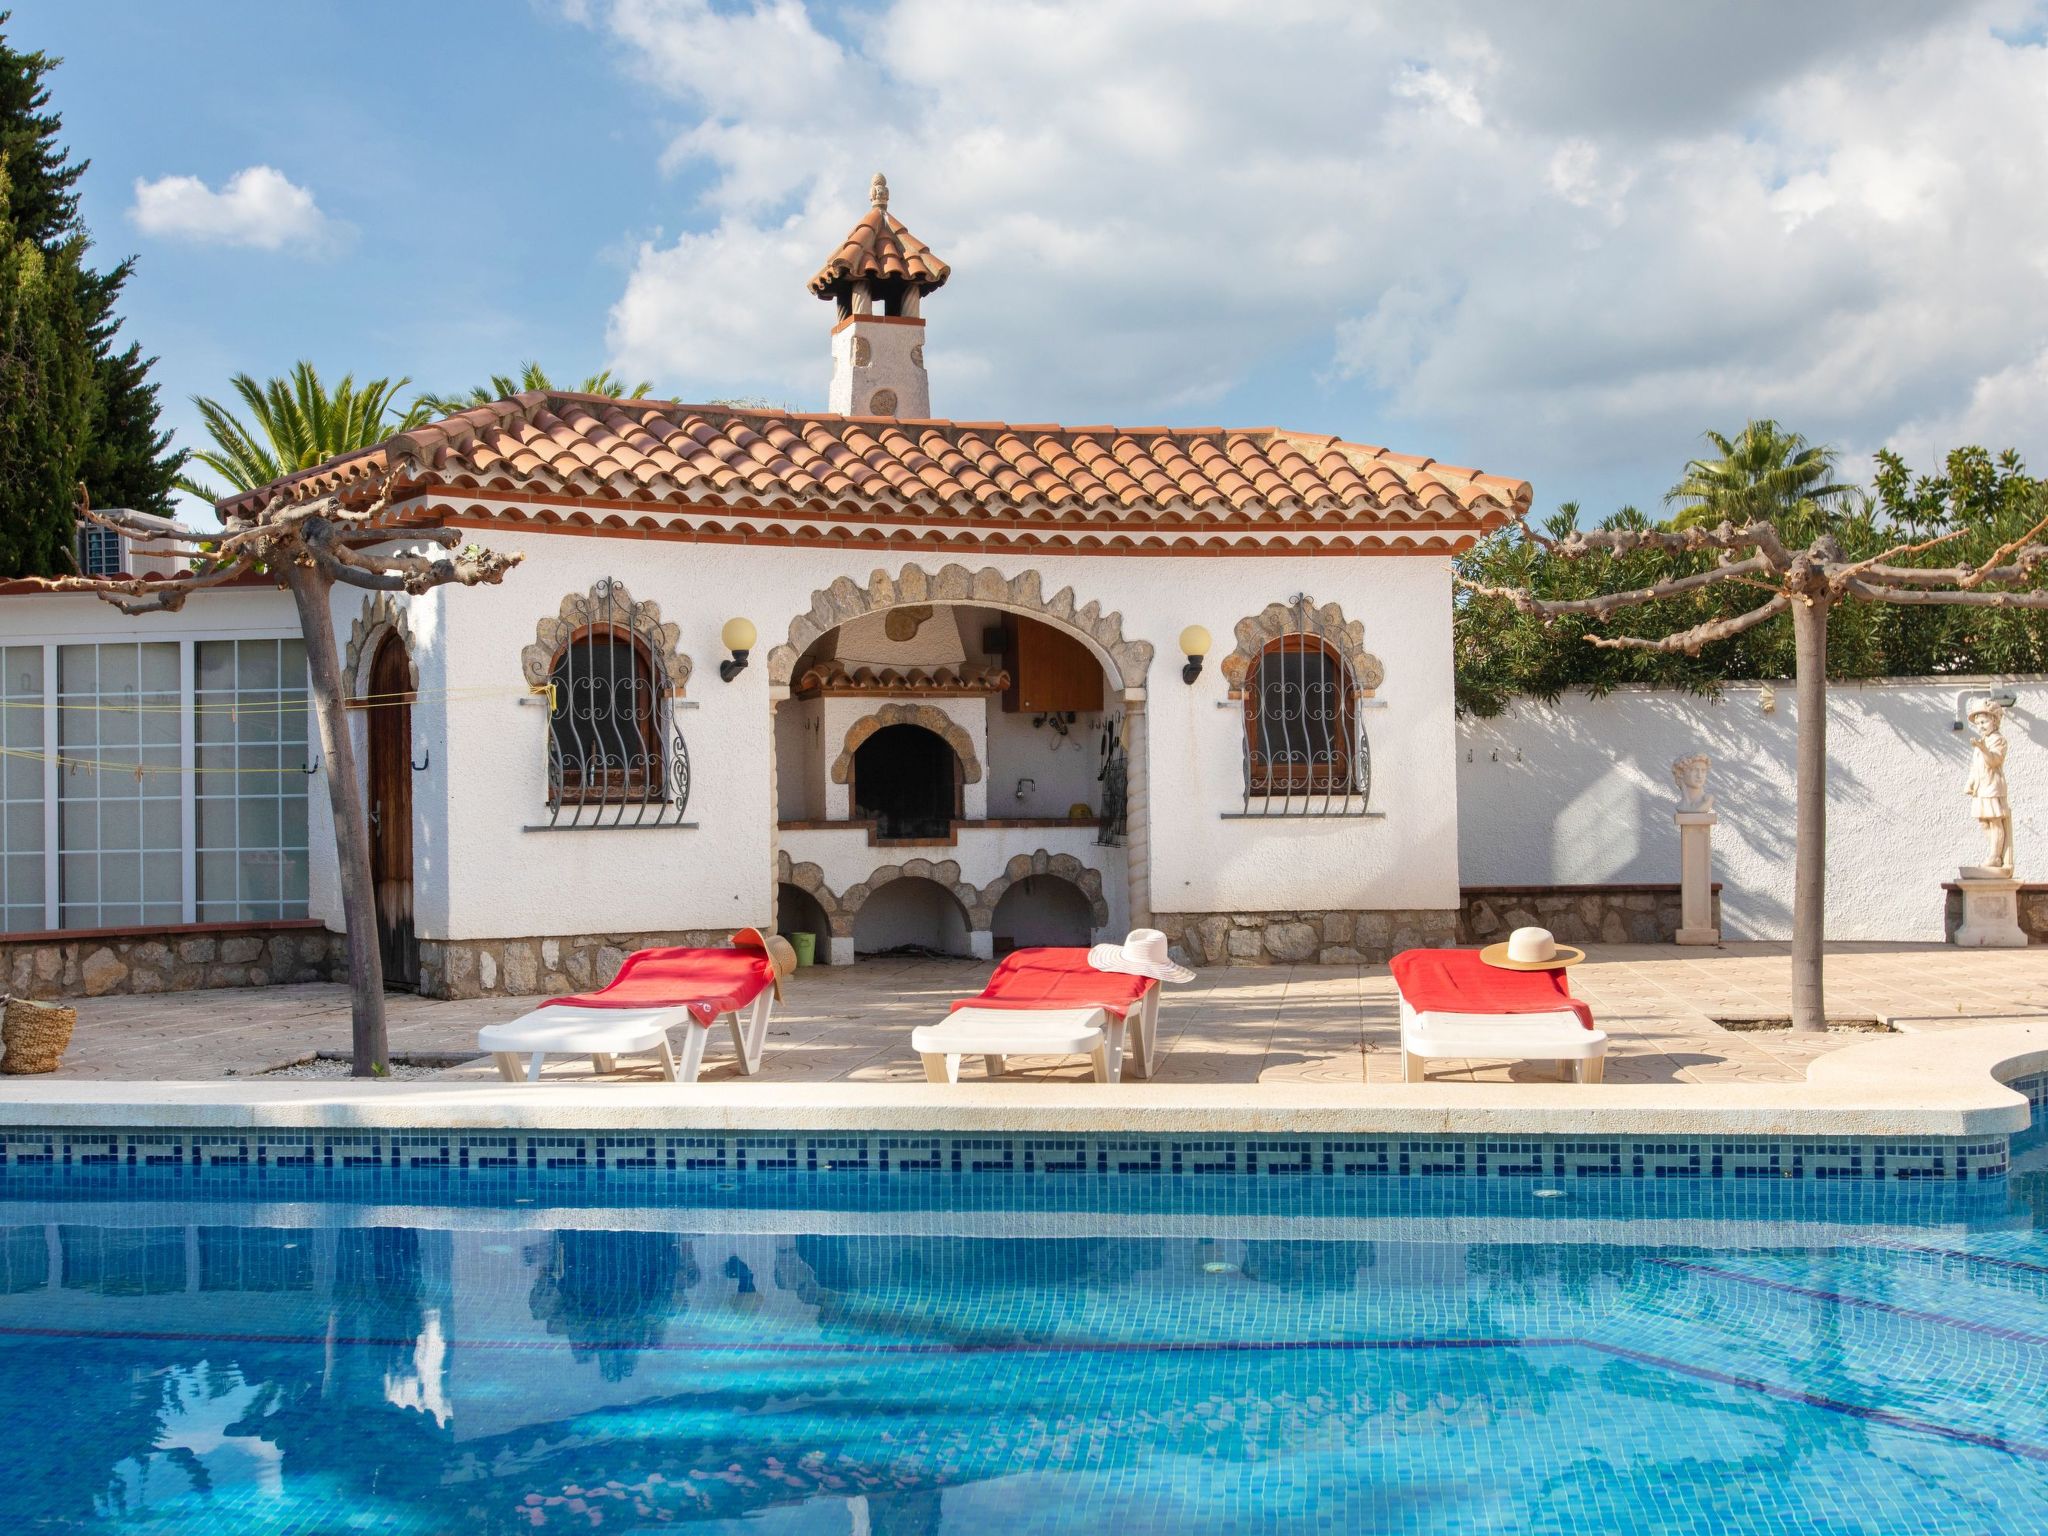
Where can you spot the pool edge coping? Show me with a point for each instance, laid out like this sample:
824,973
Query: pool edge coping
1946,1085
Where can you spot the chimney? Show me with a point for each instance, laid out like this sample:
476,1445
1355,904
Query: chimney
877,280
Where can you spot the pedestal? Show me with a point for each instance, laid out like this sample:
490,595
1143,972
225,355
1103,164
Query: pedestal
1991,909
1696,877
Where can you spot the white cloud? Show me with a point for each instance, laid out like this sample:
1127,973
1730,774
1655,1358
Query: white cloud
259,207
1561,238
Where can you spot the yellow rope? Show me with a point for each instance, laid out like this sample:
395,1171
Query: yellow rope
290,706
100,765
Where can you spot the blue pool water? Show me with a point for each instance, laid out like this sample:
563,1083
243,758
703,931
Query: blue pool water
520,1351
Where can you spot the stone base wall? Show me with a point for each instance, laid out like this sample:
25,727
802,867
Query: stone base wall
1295,938
50,965
2033,912
1576,914
541,967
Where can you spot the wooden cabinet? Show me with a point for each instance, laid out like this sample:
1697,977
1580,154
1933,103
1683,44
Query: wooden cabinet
1049,670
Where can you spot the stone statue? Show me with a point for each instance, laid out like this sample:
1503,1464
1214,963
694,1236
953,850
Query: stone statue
1989,802
1690,775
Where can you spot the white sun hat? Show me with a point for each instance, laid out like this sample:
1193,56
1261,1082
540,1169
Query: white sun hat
1531,949
1142,953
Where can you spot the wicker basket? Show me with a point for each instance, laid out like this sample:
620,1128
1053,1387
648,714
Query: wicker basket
35,1035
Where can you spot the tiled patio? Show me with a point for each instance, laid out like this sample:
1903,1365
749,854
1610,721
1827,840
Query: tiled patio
1326,1024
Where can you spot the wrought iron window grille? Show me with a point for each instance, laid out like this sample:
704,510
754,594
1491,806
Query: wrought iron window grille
617,756
1305,751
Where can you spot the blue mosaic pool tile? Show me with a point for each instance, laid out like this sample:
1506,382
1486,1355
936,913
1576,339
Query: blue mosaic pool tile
1026,1156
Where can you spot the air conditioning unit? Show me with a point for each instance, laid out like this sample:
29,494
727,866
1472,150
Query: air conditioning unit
103,552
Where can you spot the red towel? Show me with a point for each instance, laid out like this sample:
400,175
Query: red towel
706,981
1458,981
1058,978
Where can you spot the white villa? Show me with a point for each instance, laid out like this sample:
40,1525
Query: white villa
884,678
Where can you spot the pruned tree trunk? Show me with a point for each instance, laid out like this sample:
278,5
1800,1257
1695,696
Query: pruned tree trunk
311,590
1810,789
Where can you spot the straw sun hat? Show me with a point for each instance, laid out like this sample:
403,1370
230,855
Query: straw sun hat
1142,953
780,952
1531,949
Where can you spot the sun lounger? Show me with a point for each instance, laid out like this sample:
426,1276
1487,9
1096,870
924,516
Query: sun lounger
1048,1002
656,990
1453,1005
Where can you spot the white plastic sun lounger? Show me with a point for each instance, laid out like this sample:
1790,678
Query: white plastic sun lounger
605,1034
995,1033
1558,1037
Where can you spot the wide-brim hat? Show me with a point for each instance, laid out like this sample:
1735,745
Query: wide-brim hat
1531,949
1142,953
780,952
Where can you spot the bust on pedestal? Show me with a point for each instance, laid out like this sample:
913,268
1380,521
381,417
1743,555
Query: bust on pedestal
1991,896
1695,817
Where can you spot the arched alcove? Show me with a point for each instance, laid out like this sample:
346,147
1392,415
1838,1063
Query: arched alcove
1042,910
911,910
798,911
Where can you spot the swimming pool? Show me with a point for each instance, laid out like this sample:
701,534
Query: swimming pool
272,1346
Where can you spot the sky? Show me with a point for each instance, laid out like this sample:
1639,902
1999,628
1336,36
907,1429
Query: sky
1554,241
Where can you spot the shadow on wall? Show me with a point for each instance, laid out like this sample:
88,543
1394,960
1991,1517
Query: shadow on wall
1581,793
1591,797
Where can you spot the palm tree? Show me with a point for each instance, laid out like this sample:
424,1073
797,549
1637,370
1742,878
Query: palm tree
298,422
531,376
1765,474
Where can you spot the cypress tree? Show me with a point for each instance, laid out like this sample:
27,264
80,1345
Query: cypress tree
128,461
47,395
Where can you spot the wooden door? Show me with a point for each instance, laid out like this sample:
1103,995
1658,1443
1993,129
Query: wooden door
390,712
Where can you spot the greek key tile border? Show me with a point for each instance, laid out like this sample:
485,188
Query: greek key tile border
911,1157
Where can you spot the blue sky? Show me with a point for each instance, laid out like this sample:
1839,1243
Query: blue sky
1556,246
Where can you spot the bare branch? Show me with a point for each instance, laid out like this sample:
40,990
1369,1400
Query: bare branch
1606,603
375,581
1850,571
1950,597
1758,536
124,522
1972,583
367,538
1691,640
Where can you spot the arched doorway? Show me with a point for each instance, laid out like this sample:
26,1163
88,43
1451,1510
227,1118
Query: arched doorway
390,752
999,623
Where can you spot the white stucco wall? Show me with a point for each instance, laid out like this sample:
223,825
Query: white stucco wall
800,759
1062,768
489,752
1582,793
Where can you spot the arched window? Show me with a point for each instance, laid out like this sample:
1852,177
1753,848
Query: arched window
604,723
1301,721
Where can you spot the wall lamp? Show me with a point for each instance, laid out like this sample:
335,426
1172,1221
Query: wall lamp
1194,644
738,636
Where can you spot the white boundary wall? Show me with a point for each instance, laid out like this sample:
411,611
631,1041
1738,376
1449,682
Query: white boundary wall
1581,793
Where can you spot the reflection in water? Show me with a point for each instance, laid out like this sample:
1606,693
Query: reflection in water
504,1380
611,1294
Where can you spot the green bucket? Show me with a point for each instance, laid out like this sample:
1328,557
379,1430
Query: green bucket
806,947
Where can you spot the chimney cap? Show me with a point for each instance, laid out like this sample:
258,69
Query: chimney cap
880,252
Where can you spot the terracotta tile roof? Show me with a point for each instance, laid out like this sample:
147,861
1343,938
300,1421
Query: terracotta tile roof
879,248
576,458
